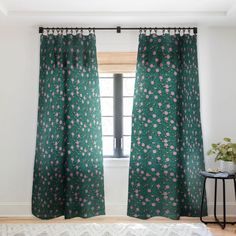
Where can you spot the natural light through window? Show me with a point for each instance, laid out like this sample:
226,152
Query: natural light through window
116,92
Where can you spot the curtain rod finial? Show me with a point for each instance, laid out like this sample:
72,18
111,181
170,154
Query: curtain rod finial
118,29
195,30
40,30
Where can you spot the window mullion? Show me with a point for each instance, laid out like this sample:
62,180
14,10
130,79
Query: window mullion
118,115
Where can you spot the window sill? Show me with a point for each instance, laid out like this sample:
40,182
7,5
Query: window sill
115,162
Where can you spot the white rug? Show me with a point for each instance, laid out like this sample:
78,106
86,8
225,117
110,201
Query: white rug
93,229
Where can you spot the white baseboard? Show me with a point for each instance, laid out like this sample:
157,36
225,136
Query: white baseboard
15,209
23,209
119,209
230,208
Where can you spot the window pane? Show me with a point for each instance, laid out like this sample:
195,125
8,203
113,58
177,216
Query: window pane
107,106
107,146
107,125
127,106
128,75
126,145
128,87
106,87
127,125
105,75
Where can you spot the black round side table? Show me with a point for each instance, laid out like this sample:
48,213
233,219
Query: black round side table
217,177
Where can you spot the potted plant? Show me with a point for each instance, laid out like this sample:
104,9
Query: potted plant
225,152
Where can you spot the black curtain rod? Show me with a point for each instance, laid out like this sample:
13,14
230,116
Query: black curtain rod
118,28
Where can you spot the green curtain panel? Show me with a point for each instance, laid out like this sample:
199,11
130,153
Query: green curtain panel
68,170
166,148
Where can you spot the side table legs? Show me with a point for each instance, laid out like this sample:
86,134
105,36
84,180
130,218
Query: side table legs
222,224
215,200
203,195
235,187
217,221
224,210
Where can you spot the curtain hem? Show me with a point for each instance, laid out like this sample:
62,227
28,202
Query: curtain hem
70,217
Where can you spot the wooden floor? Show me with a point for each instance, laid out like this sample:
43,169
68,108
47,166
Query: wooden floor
215,229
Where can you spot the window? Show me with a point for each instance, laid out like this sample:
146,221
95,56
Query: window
116,92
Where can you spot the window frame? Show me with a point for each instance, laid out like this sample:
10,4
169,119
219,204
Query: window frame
115,64
118,134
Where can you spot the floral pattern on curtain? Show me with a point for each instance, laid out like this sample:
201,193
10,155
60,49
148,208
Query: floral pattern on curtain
68,170
166,147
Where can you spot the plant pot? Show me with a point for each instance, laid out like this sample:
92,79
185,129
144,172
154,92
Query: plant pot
228,166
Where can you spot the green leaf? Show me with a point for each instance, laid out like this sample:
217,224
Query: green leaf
214,145
224,151
227,139
209,152
234,147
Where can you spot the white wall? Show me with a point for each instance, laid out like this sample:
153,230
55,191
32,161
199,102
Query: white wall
19,60
217,63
